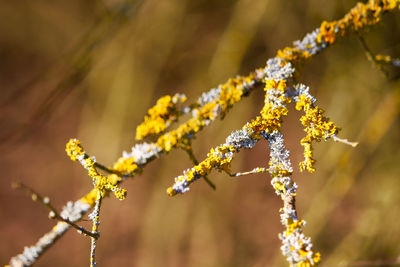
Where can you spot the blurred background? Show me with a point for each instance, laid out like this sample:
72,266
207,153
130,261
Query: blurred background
91,69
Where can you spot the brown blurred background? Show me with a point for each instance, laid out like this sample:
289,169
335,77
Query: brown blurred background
90,70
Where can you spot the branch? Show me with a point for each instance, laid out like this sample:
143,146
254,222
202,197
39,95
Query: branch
95,217
253,171
371,57
53,212
344,141
215,103
192,157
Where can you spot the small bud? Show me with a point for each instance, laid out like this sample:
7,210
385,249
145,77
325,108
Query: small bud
52,215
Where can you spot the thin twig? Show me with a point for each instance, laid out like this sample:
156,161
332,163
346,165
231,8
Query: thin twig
109,170
53,212
253,171
192,157
103,167
371,57
344,141
95,216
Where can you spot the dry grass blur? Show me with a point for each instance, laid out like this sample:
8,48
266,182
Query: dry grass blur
90,69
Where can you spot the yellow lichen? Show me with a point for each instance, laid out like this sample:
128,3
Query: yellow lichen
74,149
102,183
126,165
317,126
159,116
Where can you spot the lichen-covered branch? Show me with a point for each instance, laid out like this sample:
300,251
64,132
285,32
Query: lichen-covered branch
95,217
64,217
279,76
